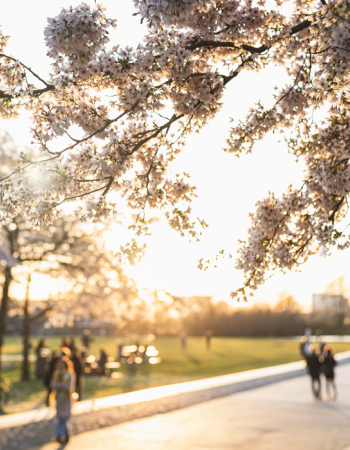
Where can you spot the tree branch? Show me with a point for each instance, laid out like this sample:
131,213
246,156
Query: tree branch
41,313
248,48
108,186
27,68
335,209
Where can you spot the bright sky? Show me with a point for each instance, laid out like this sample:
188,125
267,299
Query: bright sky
227,187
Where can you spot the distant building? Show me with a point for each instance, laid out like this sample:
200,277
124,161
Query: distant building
329,303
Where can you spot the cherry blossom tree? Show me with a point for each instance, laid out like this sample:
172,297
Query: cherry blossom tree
89,279
91,282
172,84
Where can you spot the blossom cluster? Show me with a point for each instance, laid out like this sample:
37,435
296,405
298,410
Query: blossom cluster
332,29
172,84
163,12
78,33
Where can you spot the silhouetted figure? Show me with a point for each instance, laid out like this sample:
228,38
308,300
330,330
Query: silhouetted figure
120,351
103,361
84,353
314,366
183,339
40,345
321,344
304,346
78,370
86,338
132,366
41,359
328,370
65,343
144,356
208,336
71,345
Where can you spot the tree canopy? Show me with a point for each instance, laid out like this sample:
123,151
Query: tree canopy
127,113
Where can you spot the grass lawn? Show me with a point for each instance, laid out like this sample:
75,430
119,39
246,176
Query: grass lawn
227,355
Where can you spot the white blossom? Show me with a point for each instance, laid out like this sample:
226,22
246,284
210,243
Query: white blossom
126,146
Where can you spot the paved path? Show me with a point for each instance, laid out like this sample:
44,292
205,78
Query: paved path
214,386
17,358
280,416
37,427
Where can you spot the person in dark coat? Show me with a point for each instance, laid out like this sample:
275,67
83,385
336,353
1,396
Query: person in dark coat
321,344
40,345
208,336
328,370
314,367
64,343
41,360
120,346
86,338
71,345
103,361
304,346
78,370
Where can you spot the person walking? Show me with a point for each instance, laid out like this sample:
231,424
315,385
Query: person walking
71,345
183,339
103,361
328,370
63,383
321,344
64,343
314,366
41,359
120,346
40,345
78,371
304,346
208,336
86,338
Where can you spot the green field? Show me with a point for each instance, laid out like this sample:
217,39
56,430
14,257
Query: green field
227,355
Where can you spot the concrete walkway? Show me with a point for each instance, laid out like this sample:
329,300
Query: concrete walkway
238,381
280,416
213,387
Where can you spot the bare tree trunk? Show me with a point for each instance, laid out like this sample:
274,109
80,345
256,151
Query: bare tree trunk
26,336
3,312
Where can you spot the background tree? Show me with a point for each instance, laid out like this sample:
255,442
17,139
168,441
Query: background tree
73,255
28,320
8,156
287,303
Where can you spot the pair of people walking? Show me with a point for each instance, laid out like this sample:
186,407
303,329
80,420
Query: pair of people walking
320,361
